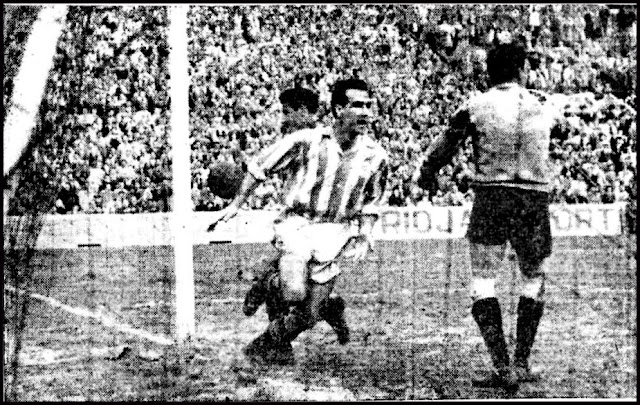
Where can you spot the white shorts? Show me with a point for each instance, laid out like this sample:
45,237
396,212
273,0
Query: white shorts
317,243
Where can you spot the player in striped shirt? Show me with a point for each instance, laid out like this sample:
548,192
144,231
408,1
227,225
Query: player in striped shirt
299,108
338,180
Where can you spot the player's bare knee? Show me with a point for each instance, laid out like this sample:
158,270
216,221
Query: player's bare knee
482,288
485,261
533,278
533,287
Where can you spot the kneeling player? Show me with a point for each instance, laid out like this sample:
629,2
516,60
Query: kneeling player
266,288
340,175
299,108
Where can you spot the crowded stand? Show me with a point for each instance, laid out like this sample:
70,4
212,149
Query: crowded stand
17,27
107,95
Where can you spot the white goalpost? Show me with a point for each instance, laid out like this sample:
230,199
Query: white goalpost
29,86
30,83
181,212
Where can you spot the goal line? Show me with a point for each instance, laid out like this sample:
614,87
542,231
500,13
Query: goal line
103,319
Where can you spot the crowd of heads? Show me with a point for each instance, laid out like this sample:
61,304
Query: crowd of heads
108,93
104,116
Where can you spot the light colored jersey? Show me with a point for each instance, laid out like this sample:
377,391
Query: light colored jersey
326,183
510,129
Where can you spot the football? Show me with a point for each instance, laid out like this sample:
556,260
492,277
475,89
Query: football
225,179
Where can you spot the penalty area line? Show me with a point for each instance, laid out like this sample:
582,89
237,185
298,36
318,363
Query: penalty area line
104,320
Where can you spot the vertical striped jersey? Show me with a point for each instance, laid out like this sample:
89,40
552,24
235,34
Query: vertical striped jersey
325,182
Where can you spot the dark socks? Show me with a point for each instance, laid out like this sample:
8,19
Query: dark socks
529,313
488,316
333,313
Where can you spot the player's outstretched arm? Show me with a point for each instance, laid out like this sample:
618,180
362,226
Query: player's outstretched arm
442,149
273,159
249,184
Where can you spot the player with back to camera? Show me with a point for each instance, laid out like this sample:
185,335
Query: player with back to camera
299,109
330,210
510,129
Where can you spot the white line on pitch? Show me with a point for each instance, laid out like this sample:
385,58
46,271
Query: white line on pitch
221,300
101,318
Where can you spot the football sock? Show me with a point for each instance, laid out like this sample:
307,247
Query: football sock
254,297
533,287
529,313
333,313
488,316
276,306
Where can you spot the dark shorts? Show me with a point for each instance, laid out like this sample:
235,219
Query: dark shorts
502,214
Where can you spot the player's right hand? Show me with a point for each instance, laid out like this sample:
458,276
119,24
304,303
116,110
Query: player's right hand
225,215
358,247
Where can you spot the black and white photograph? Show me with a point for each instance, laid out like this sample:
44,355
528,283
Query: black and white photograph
319,202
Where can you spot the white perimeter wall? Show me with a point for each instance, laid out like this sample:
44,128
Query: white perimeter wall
72,231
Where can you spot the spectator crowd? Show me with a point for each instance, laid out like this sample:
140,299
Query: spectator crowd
107,106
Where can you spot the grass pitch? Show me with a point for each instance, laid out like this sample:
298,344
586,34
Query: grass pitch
408,307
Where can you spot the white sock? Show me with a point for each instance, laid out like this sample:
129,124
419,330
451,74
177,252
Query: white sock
533,287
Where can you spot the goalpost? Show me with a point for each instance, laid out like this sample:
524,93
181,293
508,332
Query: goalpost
181,215
30,83
29,87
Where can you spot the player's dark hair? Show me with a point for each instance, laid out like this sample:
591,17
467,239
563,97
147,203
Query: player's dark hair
505,61
299,97
339,95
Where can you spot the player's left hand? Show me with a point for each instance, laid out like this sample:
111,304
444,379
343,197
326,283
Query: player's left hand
224,215
359,246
